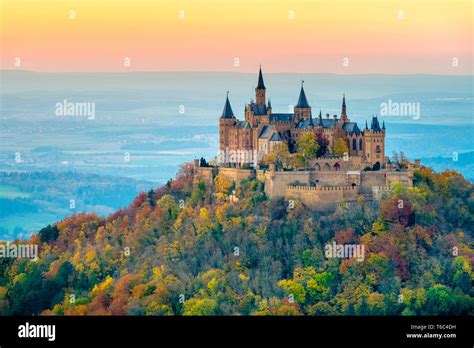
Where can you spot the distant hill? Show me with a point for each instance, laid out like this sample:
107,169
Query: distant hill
460,162
31,200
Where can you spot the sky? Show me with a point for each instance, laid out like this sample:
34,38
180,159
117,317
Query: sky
338,36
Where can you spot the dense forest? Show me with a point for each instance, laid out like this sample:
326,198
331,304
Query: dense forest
188,249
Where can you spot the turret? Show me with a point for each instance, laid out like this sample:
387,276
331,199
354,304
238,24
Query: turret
343,110
375,142
260,90
227,111
302,110
226,121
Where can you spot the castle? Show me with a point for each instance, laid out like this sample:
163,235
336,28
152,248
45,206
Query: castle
328,178
262,129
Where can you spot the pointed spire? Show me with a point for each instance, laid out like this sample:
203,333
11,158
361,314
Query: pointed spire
366,126
260,84
302,101
383,124
227,112
311,120
343,112
320,118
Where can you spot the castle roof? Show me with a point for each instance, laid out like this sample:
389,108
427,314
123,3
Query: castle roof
227,112
270,133
260,84
375,126
266,132
302,101
304,123
275,137
281,117
328,122
258,109
351,127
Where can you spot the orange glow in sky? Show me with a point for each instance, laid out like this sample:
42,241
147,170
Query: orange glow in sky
339,36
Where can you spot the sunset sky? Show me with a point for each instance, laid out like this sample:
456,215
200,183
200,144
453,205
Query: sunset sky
413,36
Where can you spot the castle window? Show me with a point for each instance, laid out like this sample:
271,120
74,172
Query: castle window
354,144
360,144
326,167
337,167
377,149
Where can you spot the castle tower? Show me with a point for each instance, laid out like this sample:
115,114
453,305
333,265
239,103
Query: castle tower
226,124
302,110
343,111
375,143
260,89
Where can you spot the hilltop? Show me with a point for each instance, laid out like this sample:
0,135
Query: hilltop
191,249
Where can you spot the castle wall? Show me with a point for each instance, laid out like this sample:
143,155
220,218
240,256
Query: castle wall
205,175
321,198
329,178
276,182
319,190
379,191
236,174
406,178
352,162
369,179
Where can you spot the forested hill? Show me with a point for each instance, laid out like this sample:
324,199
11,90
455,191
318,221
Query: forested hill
186,249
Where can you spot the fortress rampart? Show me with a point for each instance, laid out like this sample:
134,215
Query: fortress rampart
320,190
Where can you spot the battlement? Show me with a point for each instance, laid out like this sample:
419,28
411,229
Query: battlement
382,188
321,188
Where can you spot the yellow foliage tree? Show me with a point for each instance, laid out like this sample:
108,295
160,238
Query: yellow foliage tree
105,285
222,185
280,155
339,147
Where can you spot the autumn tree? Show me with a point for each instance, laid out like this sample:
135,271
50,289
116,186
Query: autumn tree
49,233
323,142
278,155
307,146
223,186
